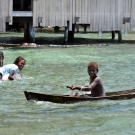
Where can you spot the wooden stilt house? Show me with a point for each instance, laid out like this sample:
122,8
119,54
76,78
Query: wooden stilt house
100,15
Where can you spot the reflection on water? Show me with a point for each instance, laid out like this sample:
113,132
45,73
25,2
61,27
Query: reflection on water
50,70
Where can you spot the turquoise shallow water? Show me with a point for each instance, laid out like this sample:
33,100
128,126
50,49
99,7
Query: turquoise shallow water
50,70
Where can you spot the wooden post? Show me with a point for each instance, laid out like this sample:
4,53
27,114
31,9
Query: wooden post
99,33
26,32
7,26
56,28
113,34
85,27
29,33
66,33
77,27
119,36
71,33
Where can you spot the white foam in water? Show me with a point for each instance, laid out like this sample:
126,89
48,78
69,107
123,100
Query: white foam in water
5,77
15,76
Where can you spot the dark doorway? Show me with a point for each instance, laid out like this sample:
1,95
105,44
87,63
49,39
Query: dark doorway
21,5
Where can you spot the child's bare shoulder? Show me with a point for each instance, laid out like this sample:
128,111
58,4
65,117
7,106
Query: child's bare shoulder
98,79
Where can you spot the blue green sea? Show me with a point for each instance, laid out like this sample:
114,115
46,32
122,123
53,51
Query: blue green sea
50,70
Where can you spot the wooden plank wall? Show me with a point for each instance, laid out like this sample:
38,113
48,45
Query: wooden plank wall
5,10
132,14
129,12
2,15
102,15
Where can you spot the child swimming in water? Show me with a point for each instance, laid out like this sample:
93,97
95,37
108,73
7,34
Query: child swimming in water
12,69
95,86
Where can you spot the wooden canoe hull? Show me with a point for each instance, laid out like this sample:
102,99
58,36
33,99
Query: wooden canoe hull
55,98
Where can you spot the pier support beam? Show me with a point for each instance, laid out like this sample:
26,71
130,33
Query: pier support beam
66,33
77,27
119,36
85,27
113,34
29,32
71,33
56,28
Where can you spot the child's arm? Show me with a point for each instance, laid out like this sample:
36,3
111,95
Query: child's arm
74,87
10,77
92,85
86,88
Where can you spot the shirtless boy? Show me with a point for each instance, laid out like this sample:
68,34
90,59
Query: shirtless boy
95,86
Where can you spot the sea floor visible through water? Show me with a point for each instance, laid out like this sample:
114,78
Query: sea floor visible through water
49,70
49,36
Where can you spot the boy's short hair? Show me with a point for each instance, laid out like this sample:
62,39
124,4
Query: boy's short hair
93,64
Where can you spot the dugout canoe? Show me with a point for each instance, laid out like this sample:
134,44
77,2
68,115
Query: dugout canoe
56,98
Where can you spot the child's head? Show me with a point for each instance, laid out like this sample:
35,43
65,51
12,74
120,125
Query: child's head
1,59
93,65
20,62
92,68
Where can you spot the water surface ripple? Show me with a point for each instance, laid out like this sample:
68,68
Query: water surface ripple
50,70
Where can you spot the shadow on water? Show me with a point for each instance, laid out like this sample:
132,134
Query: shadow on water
60,41
80,41
57,38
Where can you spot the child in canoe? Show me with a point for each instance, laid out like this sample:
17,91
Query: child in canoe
12,69
95,86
